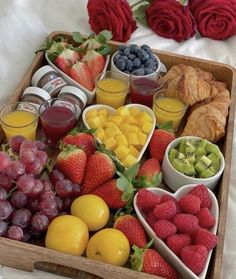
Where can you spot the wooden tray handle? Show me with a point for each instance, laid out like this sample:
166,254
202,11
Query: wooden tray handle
28,257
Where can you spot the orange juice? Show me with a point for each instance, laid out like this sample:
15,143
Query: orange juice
168,109
111,91
20,122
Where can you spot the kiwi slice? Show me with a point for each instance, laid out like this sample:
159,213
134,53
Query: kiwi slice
200,152
182,146
181,155
208,172
215,161
181,164
203,163
190,171
212,148
202,143
173,154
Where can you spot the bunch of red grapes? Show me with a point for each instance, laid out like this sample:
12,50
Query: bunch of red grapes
29,202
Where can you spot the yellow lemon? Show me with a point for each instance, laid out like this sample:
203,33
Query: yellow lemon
109,246
92,210
67,234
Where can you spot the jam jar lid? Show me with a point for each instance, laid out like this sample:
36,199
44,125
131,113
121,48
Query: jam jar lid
40,73
33,90
76,92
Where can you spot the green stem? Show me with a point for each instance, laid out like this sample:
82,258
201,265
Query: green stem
137,3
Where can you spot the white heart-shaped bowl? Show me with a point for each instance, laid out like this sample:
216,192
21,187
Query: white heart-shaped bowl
112,110
90,94
160,245
175,179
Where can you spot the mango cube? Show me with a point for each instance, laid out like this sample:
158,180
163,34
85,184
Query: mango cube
129,161
132,139
112,130
94,122
121,151
103,120
147,127
121,139
110,143
103,112
134,111
125,128
123,111
145,117
133,151
116,119
131,120
91,114
133,129
100,133
142,138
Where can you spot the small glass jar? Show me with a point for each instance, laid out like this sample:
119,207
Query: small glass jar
35,95
48,79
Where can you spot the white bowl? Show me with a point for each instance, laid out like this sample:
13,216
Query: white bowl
175,179
90,94
112,110
160,245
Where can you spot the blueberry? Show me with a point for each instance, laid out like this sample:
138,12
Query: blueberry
143,55
122,47
140,72
131,56
137,63
120,64
127,51
148,71
150,63
129,65
124,57
117,56
127,72
134,48
146,47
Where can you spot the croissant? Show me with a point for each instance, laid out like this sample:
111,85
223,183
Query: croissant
190,85
208,121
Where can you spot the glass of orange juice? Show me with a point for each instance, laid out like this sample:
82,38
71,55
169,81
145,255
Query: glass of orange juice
19,118
168,109
111,89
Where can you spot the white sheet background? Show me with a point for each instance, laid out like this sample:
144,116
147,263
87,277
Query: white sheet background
24,25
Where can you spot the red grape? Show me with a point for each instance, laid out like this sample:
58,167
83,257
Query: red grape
40,145
3,194
54,213
64,188
56,175
27,156
39,222
47,185
76,190
5,181
47,195
27,145
5,161
47,206
5,210
21,217
38,188
3,228
18,199
15,142
43,156
35,167
33,205
25,183
60,205
15,232
16,169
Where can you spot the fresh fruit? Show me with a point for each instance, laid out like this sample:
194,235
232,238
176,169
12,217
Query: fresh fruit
196,158
202,193
146,200
190,204
159,142
194,256
92,210
164,228
177,242
99,169
149,174
166,210
66,60
81,73
132,229
82,140
67,234
206,238
150,261
95,62
72,161
186,223
110,246
205,218
5,161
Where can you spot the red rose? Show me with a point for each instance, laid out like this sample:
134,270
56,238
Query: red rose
113,15
215,19
169,19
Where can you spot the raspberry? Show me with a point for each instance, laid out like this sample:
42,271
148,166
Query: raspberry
151,219
177,242
206,219
206,238
166,210
201,191
186,223
167,197
146,200
194,257
190,204
164,228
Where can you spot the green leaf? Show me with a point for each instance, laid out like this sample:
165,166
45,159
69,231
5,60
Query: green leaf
139,13
104,50
183,2
167,126
122,184
132,171
104,36
77,37
126,196
52,56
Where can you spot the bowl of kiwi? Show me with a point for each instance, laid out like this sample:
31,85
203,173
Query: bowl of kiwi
192,160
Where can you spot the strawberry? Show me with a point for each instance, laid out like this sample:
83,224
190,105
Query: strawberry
177,242
99,169
71,162
194,257
190,204
186,223
146,200
201,191
95,62
150,261
206,238
82,140
81,73
132,229
149,174
205,218
66,60
164,228
158,143
166,210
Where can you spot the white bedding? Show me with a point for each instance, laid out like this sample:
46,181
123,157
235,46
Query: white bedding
24,25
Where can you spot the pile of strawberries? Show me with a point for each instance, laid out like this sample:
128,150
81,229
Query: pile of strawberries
184,225
82,63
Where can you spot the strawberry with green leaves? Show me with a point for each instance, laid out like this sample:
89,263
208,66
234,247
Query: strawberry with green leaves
71,162
66,59
150,261
95,62
132,229
160,140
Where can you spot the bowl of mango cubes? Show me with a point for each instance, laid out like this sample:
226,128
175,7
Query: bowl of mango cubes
126,131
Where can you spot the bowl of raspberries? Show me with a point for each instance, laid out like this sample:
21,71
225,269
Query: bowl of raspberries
141,59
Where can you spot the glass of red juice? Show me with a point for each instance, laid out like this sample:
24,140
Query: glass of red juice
142,88
57,117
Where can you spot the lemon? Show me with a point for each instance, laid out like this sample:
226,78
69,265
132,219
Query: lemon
67,234
92,210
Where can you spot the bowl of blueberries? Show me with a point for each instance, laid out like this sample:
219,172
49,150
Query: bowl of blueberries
141,59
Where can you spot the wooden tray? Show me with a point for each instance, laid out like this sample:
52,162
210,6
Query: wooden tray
27,256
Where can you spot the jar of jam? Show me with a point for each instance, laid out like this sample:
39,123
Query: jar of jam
35,95
48,79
